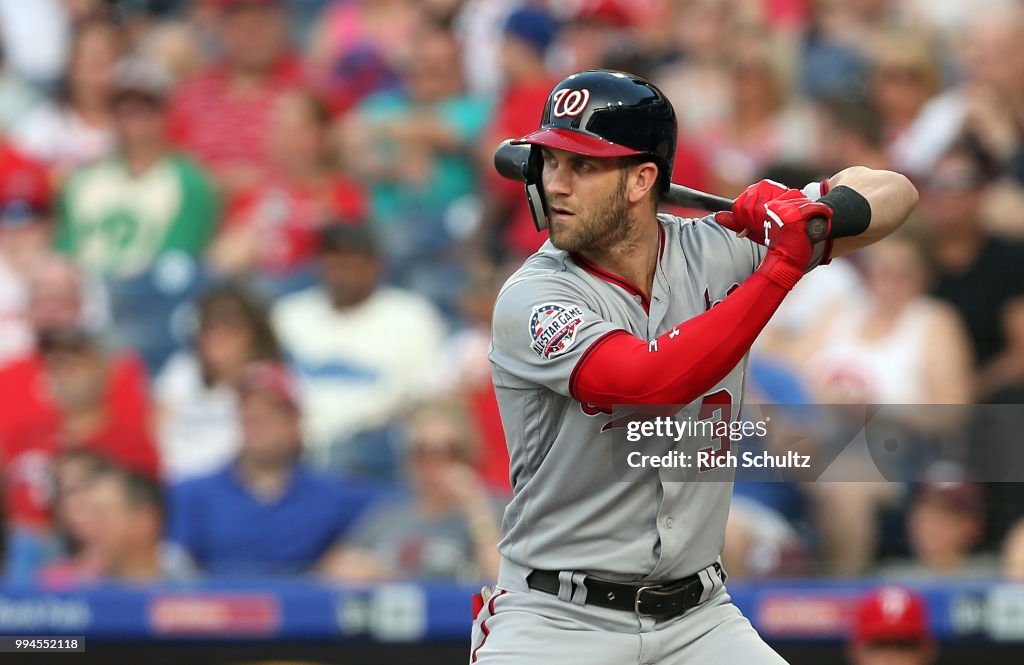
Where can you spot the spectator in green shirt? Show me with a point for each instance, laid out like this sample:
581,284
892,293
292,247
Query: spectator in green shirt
414,147
119,215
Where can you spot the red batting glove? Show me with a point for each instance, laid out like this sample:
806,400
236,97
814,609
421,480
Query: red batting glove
789,248
748,215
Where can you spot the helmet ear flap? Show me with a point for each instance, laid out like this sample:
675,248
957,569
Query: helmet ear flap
535,188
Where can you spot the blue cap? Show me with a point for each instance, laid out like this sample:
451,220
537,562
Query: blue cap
533,26
18,213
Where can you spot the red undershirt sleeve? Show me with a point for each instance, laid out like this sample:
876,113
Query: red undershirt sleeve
680,365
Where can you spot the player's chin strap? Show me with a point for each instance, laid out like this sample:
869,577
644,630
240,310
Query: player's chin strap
535,189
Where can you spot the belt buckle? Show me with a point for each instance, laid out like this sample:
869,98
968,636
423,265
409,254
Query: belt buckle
655,588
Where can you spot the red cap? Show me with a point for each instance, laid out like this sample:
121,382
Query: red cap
965,497
947,483
891,614
617,13
24,186
270,378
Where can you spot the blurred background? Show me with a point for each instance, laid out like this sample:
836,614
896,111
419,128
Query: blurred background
248,253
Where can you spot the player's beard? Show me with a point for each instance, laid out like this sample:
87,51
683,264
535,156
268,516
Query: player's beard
603,226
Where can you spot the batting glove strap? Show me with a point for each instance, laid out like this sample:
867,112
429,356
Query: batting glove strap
779,270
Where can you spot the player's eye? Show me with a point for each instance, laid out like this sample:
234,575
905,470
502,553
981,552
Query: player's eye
583,167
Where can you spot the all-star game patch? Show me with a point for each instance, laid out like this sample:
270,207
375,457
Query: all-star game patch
553,329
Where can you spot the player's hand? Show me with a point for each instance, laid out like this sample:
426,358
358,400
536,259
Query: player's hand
785,236
748,217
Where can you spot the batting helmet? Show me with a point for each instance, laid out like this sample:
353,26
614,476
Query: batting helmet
602,113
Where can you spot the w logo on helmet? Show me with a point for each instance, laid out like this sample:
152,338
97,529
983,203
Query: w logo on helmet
570,103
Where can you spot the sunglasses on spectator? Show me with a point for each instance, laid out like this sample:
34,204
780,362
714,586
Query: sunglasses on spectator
69,341
434,450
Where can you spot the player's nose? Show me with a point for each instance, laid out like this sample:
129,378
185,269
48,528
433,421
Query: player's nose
557,181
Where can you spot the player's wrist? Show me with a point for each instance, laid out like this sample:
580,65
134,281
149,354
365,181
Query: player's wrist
781,269
851,212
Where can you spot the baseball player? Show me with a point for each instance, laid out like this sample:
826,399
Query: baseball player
625,306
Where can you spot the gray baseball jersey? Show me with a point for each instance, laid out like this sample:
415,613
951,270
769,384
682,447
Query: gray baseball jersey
570,509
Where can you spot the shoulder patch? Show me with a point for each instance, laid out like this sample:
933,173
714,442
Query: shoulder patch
553,328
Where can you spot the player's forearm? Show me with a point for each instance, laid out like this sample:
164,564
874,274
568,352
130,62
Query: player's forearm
683,364
486,535
890,195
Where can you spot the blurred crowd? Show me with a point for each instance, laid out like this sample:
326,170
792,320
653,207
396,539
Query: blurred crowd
249,248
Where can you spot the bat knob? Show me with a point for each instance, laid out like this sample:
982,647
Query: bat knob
817,228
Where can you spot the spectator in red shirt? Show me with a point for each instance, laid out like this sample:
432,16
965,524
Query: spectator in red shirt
528,33
68,395
221,116
273,227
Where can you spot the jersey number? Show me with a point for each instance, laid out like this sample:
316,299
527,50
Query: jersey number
716,407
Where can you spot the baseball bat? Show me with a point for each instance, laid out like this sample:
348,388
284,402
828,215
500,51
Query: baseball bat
510,160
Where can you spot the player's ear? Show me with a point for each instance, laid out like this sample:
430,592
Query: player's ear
643,179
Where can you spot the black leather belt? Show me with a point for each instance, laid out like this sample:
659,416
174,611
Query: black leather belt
656,600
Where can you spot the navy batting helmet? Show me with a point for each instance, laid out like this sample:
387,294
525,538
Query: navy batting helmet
602,113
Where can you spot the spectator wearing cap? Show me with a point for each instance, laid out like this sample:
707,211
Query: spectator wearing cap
120,215
357,48
69,394
272,227
363,352
222,115
266,512
527,34
946,521
890,627
414,148
976,272
596,29
25,236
